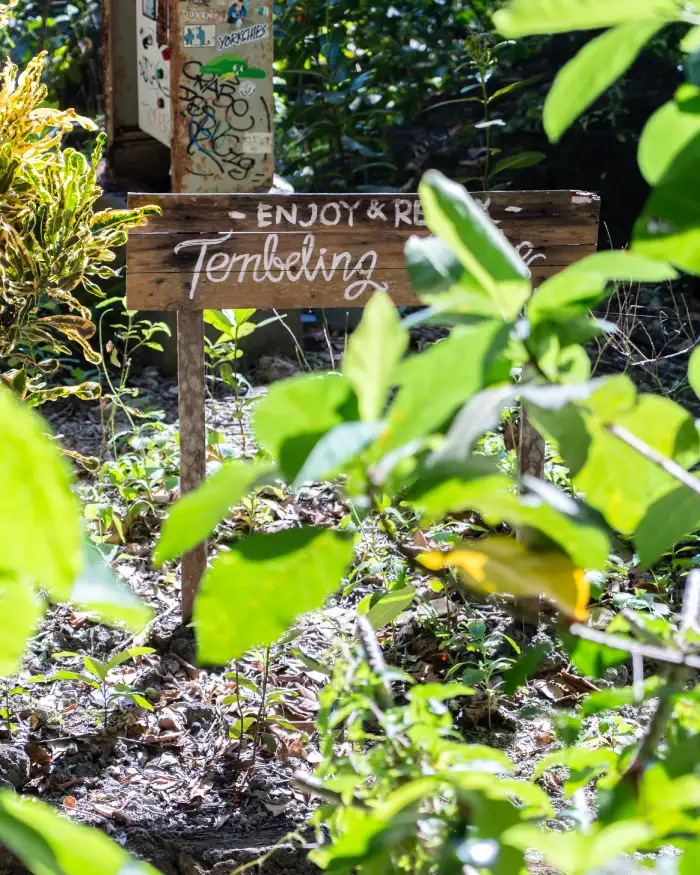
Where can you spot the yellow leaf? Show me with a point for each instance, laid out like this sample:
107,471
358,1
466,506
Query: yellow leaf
504,566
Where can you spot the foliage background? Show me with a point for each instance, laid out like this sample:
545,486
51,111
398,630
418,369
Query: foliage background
363,90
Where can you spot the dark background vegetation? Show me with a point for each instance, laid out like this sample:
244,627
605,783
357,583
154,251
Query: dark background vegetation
370,95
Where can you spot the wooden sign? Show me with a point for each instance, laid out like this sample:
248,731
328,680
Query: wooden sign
271,251
221,74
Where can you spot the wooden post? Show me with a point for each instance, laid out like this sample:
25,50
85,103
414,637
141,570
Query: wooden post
222,141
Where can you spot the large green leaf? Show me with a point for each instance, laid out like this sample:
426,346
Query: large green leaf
666,521
493,496
615,478
98,589
436,382
40,538
336,450
524,17
582,286
296,413
694,371
666,134
669,227
390,606
51,845
195,516
374,350
431,264
252,594
20,612
592,71
453,214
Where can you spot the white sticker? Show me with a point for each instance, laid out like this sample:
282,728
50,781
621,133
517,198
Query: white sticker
198,36
202,14
256,143
244,35
246,88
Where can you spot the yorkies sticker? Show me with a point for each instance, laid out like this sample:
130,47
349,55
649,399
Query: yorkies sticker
240,37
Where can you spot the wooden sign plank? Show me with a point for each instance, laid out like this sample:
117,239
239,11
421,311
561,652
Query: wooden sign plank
270,251
221,63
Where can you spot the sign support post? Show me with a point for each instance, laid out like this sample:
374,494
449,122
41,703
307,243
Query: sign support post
222,141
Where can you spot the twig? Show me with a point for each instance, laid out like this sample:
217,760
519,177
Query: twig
617,642
675,678
668,465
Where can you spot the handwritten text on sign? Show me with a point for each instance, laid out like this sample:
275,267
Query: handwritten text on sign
209,251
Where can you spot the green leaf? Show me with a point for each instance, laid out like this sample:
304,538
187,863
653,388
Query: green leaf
441,693
389,606
694,371
296,413
195,516
615,697
374,350
582,286
475,485
525,17
336,450
480,414
99,590
130,653
669,130
524,668
667,521
452,214
669,227
251,595
138,698
432,266
21,611
51,845
592,71
40,537
436,382
590,658
519,160
615,478
96,667
585,764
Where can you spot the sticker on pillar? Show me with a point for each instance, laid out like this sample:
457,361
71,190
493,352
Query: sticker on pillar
149,9
199,36
256,143
232,66
237,12
245,35
200,13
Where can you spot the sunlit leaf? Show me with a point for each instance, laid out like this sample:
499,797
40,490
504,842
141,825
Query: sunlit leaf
251,595
524,17
51,845
195,515
390,606
40,538
373,353
453,214
296,413
666,134
592,71
500,565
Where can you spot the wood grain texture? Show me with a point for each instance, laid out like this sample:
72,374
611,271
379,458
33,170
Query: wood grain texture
190,378
214,251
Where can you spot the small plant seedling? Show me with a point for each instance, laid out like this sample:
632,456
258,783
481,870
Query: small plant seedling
96,677
6,711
